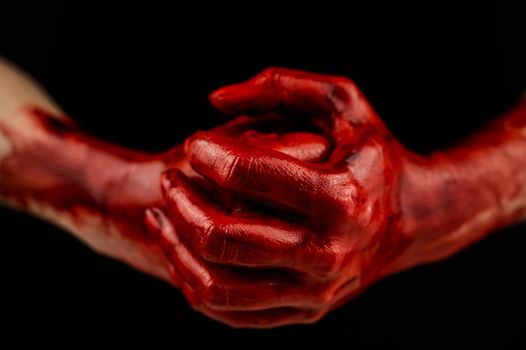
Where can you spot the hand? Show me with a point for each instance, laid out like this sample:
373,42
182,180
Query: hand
323,231
100,191
280,226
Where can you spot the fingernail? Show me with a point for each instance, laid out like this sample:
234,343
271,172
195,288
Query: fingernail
154,220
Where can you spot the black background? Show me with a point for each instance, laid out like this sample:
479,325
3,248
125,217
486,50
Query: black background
140,76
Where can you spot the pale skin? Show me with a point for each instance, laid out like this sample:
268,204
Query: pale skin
17,91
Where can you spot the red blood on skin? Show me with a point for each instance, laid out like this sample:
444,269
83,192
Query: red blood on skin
371,209
107,188
262,229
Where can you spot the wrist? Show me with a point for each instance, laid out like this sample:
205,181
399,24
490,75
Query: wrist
453,198
50,162
444,207
96,191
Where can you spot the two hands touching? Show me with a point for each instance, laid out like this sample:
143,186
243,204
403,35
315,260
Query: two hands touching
325,221
279,216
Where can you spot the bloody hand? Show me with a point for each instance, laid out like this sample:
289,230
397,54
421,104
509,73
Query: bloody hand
262,223
336,227
320,232
99,192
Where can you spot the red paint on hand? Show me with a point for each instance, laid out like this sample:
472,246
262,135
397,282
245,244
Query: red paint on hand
327,230
262,222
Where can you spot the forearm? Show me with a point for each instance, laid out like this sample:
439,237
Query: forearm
41,152
453,198
94,190
497,159
49,161
88,187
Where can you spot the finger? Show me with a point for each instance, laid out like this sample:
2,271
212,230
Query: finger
225,289
304,146
243,240
152,219
274,132
267,177
266,318
274,88
163,230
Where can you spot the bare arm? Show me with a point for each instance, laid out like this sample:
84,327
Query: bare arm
97,191
17,90
94,190
372,209
461,194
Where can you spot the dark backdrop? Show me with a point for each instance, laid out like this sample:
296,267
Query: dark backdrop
139,76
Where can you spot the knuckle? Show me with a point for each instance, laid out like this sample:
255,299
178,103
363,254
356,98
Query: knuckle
167,183
341,195
321,300
270,73
330,264
342,92
329,261
211,236
344,83
217,296
266,77
196,142
205,290
217,247
208,293
230,169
